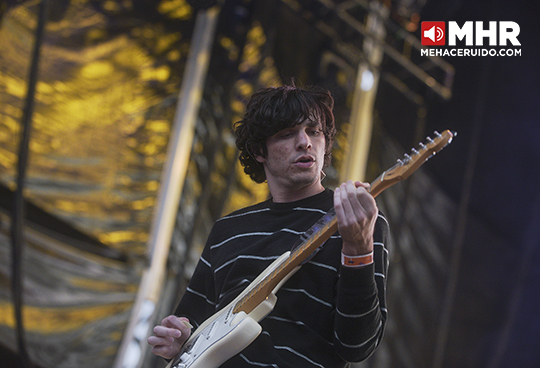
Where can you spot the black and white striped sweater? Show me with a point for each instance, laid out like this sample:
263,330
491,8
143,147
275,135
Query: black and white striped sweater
326,315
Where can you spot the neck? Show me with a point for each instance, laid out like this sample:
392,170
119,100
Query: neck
284,195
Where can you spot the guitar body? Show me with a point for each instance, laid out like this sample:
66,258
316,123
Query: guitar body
227,333
225,336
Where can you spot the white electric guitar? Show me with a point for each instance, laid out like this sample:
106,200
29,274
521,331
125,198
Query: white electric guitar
234,327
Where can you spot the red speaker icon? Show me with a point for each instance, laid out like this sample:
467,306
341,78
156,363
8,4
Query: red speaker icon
433,33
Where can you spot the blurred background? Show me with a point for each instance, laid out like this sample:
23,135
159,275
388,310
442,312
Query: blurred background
116,156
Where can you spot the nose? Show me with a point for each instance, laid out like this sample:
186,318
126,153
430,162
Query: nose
303,141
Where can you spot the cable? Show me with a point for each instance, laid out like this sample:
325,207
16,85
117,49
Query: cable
17,221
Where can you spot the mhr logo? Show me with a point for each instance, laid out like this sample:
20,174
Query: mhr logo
474,33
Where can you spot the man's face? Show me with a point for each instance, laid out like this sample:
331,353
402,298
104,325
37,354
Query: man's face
295,157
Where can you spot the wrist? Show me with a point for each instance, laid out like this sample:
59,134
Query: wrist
357,248
356,261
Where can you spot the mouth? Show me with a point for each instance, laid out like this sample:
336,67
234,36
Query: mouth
305,158
304,161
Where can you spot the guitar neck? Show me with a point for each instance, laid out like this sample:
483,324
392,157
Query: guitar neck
314,238
327,225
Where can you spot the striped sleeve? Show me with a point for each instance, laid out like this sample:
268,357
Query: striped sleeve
361,313
198,301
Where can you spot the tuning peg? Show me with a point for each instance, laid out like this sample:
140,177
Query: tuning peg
437,134
422,146
414,151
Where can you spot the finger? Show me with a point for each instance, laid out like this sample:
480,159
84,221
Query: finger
158,341
341,204
179,323
172,321
162,331
358,205
361,184
362,202
354,196
366,201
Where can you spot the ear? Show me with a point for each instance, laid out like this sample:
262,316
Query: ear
258,158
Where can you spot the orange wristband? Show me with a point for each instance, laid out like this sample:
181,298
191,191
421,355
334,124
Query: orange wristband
356,261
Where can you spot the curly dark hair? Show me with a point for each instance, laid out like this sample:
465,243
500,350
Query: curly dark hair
276,108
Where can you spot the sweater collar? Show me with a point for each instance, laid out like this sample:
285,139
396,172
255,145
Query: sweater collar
319,198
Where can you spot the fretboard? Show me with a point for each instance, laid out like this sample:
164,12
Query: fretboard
311,240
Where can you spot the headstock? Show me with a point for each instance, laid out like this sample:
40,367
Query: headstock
410,163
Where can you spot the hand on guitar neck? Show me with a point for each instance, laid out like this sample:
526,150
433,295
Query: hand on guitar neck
356,213
169,337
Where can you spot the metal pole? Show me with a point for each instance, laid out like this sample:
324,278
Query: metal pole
134,346
367,80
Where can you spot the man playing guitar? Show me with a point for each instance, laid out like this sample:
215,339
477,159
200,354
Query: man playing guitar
332,311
